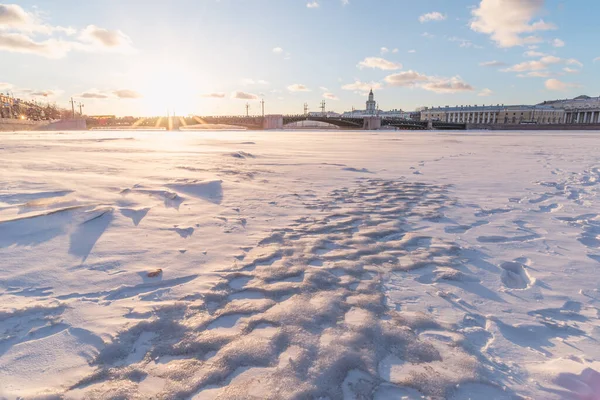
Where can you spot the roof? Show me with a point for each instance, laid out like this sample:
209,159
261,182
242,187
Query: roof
488,108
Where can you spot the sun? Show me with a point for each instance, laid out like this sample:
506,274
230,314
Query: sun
169,89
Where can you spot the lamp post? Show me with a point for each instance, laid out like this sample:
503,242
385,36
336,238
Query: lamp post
72,107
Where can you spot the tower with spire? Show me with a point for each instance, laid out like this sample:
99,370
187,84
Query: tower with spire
371,104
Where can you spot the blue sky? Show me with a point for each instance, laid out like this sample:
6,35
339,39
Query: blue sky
134,57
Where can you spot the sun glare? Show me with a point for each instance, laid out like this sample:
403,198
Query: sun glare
169,89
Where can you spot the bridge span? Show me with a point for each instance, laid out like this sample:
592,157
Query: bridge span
356,123
270,122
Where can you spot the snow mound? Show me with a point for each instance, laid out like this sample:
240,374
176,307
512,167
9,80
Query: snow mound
207,190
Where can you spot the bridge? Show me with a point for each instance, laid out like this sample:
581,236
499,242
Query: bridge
280,121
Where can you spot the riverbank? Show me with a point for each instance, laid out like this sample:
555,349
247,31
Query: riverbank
16,125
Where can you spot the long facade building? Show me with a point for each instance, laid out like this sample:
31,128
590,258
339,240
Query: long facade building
580,110
499,114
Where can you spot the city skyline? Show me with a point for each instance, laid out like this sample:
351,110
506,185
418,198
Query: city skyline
212,57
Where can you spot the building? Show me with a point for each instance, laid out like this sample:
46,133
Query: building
369,111
327,114
395,114
580,110
372,110
498,114
371,104
6,106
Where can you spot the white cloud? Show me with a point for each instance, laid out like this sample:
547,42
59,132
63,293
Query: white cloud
536,74
571,70
105,38
278,50
406,78
249,81
485,92
384,50
13,16
296,87
596,59
464,42
43,93
508,21
541,64
323,88
492,64
555,84
379,63
447,85
362,87
412,51
215,95
345,2
20,43
93,94
127,94
432,16
430,83
244,96
5,85
313,4
330,96
395,51
427,35
532,53
20,31
558,43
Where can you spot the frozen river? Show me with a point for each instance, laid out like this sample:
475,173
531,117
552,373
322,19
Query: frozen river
339,265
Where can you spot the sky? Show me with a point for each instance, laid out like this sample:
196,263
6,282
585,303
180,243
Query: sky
212,57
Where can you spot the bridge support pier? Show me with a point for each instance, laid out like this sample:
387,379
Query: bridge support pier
273,122
372,123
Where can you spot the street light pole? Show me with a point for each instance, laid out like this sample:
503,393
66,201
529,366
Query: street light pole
73,107
263,107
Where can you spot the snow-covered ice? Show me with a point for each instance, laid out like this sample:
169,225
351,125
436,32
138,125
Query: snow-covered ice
332,265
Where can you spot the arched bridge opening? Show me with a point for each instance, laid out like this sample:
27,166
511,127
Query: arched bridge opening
343,123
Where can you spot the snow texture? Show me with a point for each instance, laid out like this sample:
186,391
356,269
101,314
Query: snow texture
326,265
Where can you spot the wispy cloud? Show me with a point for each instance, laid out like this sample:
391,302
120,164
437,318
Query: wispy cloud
362,87
556,85
432,16
244,96
541,64
250,81
92,95
431,83
493,64
485,92
312,4
379,63
297,87
127,94
215,95
464,42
